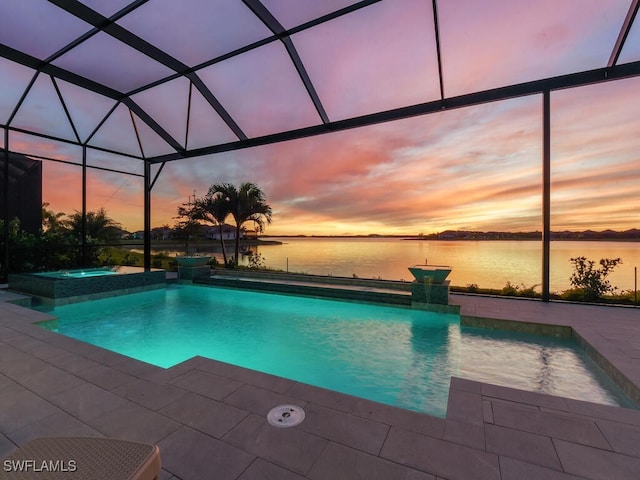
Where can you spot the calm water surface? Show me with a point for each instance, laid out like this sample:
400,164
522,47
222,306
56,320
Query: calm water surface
489,264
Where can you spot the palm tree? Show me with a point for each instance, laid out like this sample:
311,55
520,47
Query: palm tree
214,209
99,226
51,221
245,204
99,229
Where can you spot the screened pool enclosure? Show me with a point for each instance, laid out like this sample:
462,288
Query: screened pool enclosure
121,104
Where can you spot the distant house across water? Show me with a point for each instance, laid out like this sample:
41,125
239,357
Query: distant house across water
208,232
213,233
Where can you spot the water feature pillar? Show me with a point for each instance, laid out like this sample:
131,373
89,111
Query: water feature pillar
431,293
430,286
191,267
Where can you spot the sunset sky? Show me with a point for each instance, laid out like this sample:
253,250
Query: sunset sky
477,168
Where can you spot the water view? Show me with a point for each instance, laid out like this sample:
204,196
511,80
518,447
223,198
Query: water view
489,264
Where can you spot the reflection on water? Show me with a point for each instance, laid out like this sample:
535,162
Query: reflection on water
545,378
429,366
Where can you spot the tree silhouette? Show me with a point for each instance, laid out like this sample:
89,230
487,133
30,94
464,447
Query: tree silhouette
244,204
214,208
187,224
99,226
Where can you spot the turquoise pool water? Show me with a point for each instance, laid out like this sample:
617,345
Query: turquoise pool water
397,356
89,272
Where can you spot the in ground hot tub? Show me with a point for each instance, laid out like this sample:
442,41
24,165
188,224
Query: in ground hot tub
81,273
71,286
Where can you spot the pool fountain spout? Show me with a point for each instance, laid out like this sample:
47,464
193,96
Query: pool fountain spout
430,286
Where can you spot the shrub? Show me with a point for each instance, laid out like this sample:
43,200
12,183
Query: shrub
509,290
512,290
591,281
256,261
529,291
472,287
128,259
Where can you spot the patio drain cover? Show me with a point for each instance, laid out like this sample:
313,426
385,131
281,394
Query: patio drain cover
285,416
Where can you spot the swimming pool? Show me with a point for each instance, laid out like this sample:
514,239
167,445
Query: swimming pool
397,356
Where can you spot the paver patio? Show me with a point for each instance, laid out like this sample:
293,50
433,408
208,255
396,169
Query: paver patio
209,418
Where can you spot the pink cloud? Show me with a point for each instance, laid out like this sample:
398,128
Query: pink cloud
499,43
474,168
381,57
62,187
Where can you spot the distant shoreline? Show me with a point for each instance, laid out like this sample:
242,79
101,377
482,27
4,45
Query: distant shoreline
632,235
244,242
527,239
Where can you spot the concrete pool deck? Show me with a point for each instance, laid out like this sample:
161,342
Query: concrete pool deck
209,418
